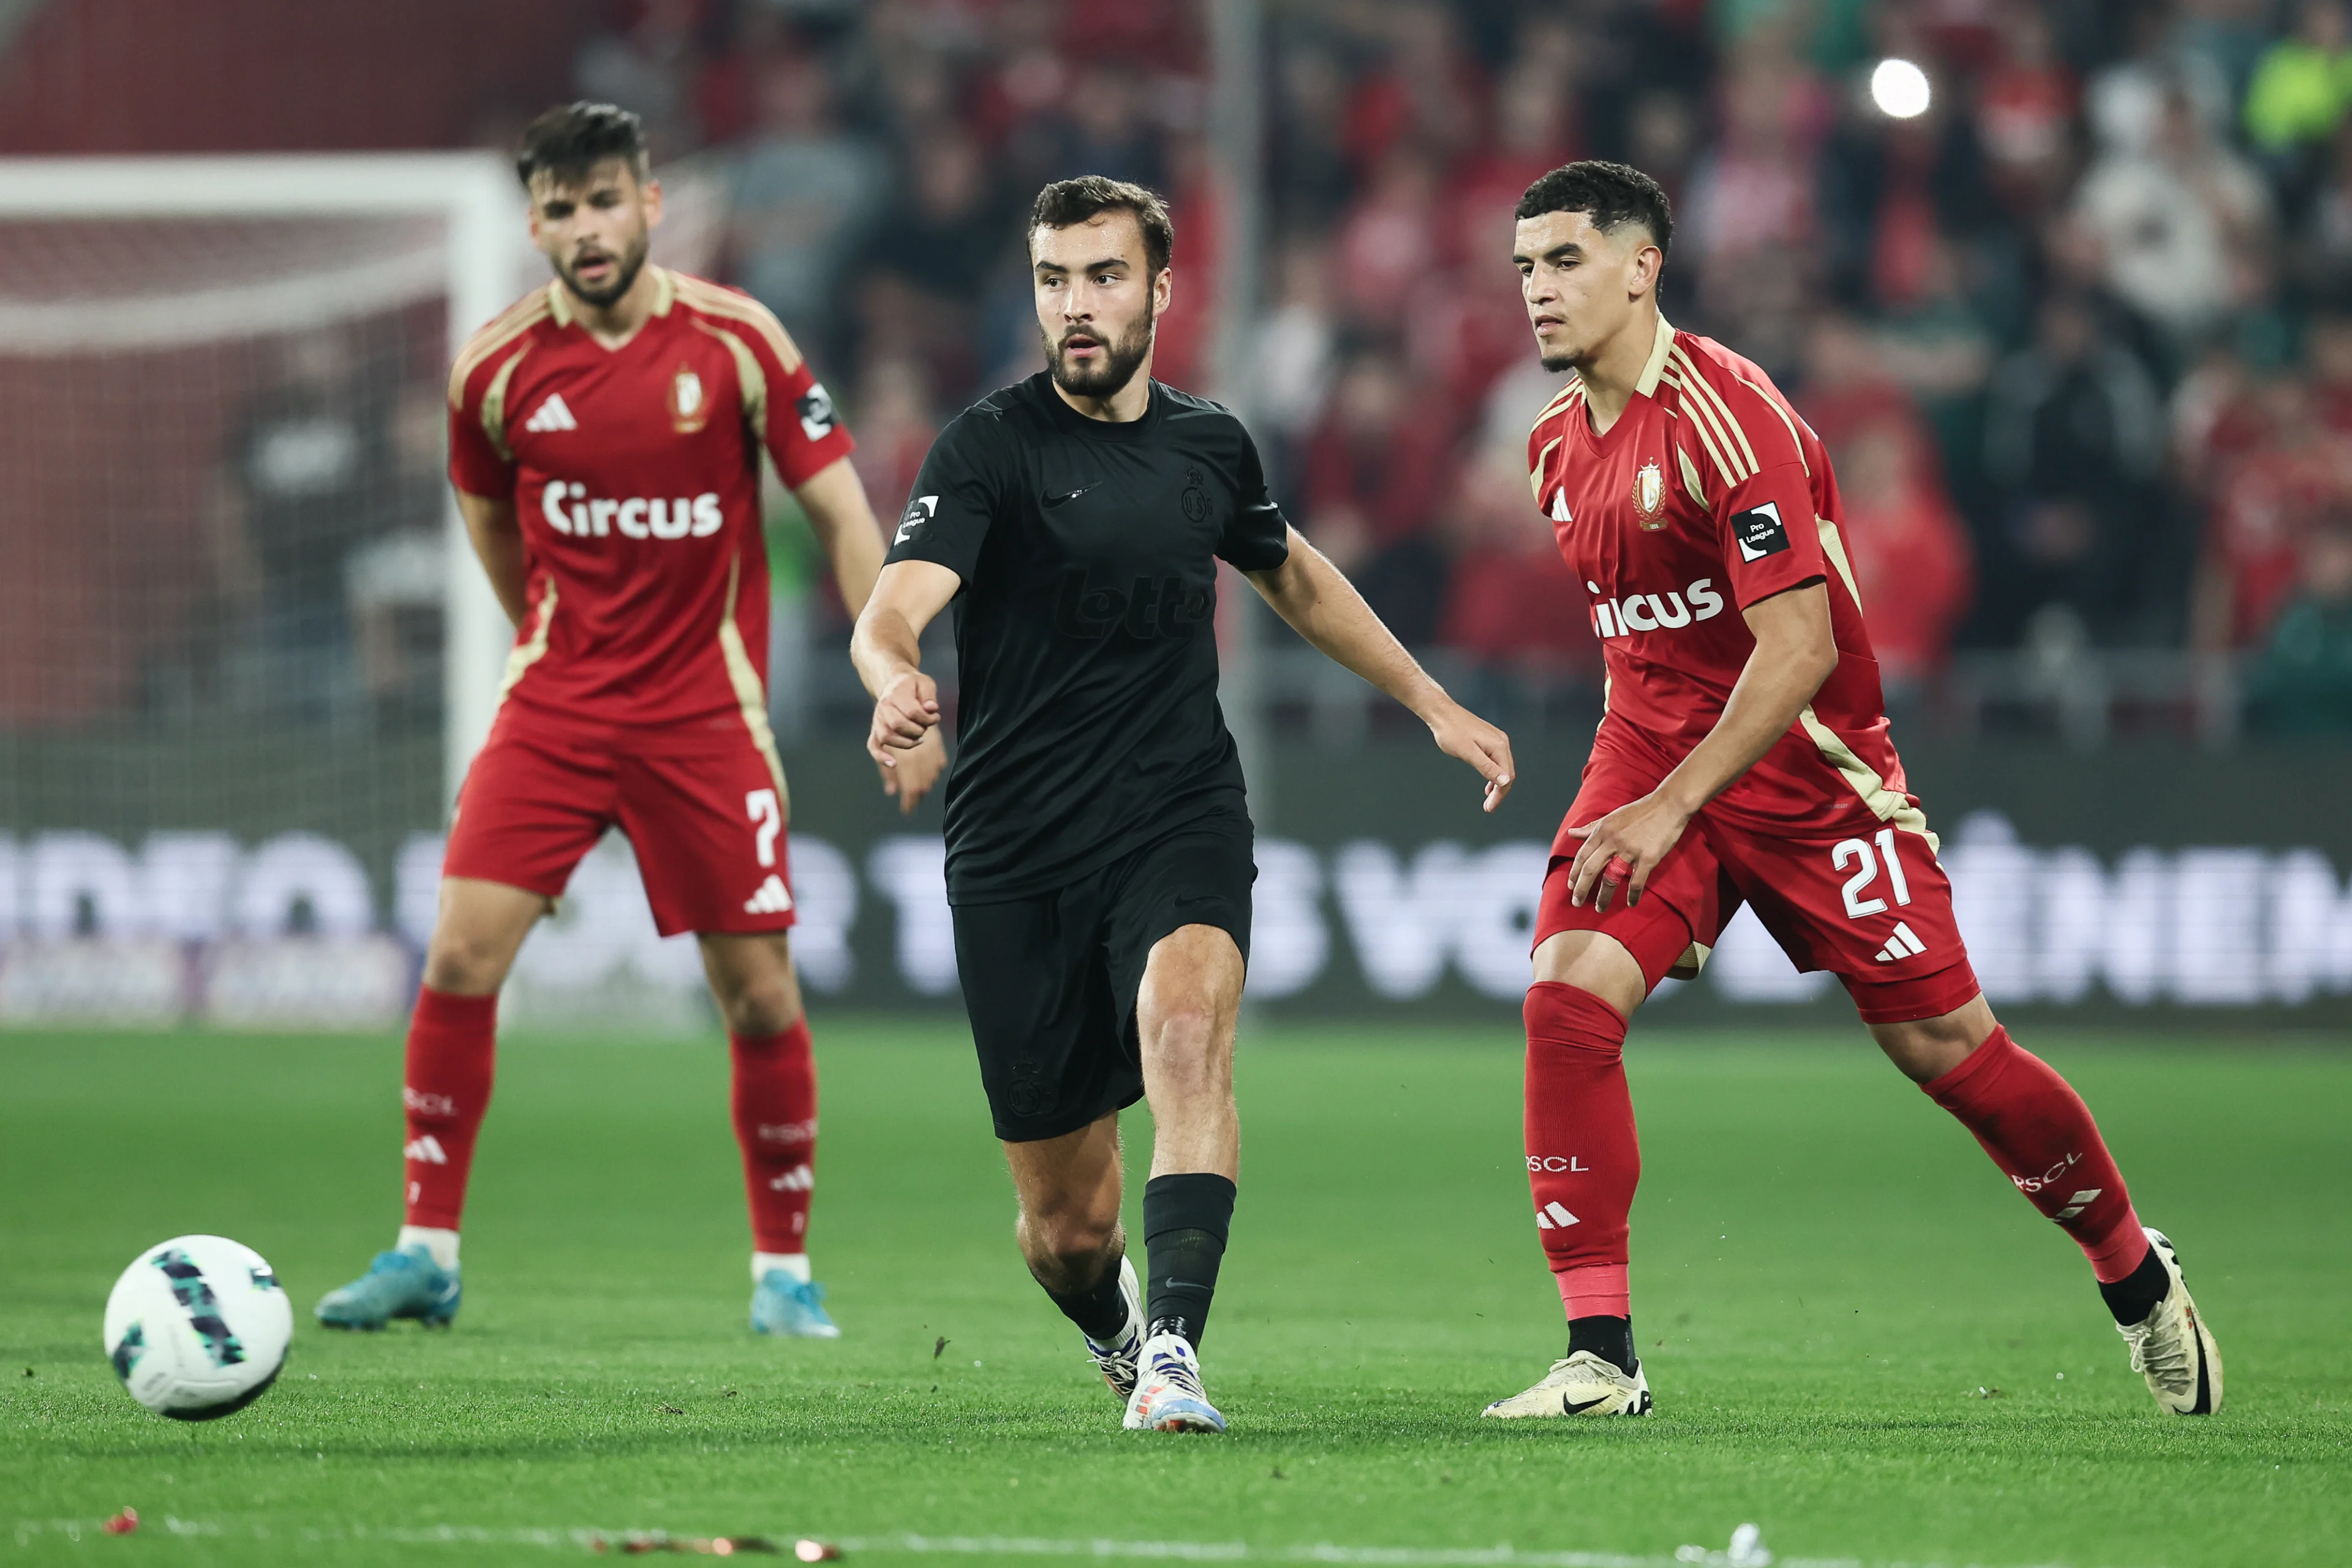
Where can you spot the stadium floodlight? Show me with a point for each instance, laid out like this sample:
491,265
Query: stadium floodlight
1900,89
178,257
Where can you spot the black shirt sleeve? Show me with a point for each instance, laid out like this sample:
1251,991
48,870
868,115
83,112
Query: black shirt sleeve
956,497
1258,538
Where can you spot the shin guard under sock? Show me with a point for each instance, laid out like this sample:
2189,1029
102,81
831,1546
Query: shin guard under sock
445,1087
1186,1219
773,1099
2041,1134
1583,1159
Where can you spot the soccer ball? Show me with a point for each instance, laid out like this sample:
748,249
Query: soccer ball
197,1327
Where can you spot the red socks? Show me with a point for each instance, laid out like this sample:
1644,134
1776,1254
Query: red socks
774,1103
1583,1161
2041,1134
446,1086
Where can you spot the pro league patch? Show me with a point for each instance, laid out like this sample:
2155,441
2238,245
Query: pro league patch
1760,532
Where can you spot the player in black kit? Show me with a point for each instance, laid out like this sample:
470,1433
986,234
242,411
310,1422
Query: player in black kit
1098,845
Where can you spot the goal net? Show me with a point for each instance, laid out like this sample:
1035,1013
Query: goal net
244,651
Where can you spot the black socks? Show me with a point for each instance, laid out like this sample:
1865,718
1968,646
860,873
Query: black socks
1185,1219
1611,1339
1098,1310
2135,1296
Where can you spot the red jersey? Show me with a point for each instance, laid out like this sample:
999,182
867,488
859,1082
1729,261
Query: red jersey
634,474
1709,494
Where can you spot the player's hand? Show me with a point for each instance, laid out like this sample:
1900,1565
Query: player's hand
1622,849
908,710
916,771
1462,733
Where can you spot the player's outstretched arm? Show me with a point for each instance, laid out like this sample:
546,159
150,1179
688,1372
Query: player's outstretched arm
886,648
834,500
498,543
1324,607
1795,651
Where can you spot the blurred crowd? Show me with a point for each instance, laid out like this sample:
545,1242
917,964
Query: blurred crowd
2079,333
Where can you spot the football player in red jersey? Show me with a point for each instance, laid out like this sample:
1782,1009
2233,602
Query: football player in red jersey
606,435
1744,758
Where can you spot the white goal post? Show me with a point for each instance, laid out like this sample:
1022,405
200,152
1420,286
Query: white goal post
484,262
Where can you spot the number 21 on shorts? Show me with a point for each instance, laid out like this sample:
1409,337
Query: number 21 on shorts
1853,850
768,820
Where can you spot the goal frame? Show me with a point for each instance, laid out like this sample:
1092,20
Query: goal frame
487,260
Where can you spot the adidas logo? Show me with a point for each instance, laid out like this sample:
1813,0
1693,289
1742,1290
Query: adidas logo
771,900
1554,1217
2078,1203
799,1179
426,1148
1905,943
552,415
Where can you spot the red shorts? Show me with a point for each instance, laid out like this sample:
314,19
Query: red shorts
1838,888
703,804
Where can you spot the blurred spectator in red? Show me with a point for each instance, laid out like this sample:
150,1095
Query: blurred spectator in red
2025,113
2302,682
1375,466
1912,565
1847,388
1511,599
2327,351
1428,90
1389,241
2269,504
2216,420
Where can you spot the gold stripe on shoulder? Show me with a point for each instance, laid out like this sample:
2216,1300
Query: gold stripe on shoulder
699,294
494,403
1691,485
1535,475
501,329
1702,421
1773,403
1693,378
747,376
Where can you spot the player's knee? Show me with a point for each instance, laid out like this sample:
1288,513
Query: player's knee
769,1006
1186,1037
462,963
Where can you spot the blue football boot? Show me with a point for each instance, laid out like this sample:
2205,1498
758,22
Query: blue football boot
403,1284
792,1308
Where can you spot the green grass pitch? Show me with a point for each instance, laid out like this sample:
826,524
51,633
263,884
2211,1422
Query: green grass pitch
1827,1273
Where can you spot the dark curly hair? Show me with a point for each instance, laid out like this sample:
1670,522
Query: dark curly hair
1614,194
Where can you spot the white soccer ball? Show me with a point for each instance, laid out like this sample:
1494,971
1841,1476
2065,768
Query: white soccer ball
197,1327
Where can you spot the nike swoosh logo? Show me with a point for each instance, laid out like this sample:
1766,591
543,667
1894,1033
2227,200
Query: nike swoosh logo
1052,501
1567,1409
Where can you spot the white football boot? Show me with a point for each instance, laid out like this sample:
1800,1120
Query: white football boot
1583,1384
2173,1349
1116,1360
1168,1396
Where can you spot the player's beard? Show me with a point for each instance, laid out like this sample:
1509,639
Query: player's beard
1117,367
1556,360
630,262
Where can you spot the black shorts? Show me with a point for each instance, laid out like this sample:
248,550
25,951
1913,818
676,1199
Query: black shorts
1050,981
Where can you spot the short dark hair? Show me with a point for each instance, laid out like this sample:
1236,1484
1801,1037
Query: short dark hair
1067,201
1614,194
572,138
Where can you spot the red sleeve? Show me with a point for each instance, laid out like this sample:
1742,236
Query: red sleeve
477,464
1760,488
799,425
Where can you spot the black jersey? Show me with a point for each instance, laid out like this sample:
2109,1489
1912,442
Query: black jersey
1086,722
